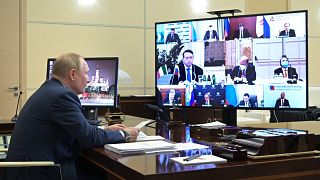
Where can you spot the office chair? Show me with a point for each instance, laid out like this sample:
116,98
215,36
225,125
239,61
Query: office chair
30,164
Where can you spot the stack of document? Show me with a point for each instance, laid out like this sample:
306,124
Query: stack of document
143,137
140,147
154,146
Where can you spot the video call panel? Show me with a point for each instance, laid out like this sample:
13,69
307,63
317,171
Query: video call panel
257,62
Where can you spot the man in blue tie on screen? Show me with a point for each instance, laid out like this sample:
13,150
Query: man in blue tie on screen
51,126
173,37
188,72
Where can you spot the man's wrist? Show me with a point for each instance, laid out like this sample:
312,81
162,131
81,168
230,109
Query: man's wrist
126,135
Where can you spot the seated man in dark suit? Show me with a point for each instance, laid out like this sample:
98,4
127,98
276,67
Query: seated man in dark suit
207,101
211,34
241,32
186,71
172,98
173,37
286,70
282,102
51,126
287,32
246,101
244,73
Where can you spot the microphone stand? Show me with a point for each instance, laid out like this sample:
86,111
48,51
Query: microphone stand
158,120
15,117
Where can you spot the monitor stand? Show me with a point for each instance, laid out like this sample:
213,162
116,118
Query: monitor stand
229,117
91,114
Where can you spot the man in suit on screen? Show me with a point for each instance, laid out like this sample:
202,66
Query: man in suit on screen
211,34
173,37
286,70
245,72
186,71
282,102
241,32
246,101
287,32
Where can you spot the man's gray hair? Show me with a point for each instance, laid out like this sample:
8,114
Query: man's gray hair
65,62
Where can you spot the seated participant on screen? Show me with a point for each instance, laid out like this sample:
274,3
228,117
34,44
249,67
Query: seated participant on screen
211,34
286,70
244,73
186,72
207,101
282,102
246,101
287,32
173,37
172,98
241,32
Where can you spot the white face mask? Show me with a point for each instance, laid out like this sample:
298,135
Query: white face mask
242,67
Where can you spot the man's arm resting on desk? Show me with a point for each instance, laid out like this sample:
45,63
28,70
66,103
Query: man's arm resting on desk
128,133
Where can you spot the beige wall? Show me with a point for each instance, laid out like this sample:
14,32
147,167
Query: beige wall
126,29
313,8
109,28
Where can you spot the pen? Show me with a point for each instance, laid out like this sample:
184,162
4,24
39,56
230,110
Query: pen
192,157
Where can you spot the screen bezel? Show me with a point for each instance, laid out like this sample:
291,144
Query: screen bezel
158,94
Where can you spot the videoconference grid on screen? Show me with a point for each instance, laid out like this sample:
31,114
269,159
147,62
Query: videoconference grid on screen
252,61
101,89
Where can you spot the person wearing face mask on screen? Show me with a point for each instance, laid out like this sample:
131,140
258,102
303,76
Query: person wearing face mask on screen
244,73
286,71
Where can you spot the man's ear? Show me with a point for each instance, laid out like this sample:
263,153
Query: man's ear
72,74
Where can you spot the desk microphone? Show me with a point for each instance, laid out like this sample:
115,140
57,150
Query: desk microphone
15,117
154,108
159,111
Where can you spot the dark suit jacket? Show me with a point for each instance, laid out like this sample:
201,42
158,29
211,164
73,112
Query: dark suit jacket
196,70
292,73
246,34
250,72
51,127
211,101
174,39
292,33
251,103
214,34
285,103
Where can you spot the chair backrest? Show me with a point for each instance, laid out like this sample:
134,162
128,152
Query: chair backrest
254,100
30,170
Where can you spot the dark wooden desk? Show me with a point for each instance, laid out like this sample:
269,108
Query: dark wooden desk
159,166
6,126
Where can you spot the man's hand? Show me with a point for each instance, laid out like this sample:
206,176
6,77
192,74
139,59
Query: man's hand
133,133
114,127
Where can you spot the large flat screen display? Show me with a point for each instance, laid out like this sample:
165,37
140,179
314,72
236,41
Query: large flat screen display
247,62
101,89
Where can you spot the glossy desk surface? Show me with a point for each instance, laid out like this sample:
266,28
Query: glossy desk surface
159,166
